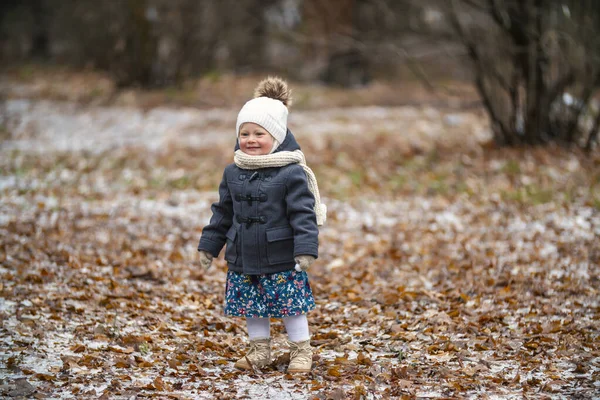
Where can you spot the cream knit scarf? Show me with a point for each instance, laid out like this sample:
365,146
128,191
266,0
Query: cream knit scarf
280,159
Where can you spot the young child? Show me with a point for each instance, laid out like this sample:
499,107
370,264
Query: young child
268,212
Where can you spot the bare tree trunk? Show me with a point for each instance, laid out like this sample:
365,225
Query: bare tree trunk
39,41
593,136
332,42
585,99
133,64
244,32
543,74
501,132
534,128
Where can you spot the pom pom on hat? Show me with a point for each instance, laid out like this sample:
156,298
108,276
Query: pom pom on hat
274,88
269,108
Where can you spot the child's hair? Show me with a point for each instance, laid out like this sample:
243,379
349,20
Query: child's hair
274,88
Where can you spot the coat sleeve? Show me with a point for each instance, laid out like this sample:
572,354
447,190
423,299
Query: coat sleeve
301,213
213,235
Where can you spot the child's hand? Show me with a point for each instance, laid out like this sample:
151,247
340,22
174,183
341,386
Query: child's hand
205,259
303,262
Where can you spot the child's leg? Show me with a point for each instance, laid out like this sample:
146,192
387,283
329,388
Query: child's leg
299,341
259,353
297,328
258,328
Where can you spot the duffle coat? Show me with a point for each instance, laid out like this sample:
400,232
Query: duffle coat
265,216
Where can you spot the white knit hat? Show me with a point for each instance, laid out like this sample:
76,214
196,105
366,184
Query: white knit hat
269,113
269,108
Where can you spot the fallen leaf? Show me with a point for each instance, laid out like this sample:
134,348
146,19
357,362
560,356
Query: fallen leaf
334,371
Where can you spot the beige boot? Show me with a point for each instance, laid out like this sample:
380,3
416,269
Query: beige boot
258,356
300,356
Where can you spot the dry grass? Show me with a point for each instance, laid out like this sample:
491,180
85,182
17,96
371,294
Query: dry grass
223,90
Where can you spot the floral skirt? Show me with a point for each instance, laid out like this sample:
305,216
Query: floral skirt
278,295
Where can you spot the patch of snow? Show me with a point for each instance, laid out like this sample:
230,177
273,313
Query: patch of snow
449,219
7,305
548,249
453,119
8,182
64,126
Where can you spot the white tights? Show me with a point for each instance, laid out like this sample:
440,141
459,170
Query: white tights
296,327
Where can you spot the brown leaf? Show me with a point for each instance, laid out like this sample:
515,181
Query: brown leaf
342,360
146,364
12,363
174,363
142,363
359,392
90,361
337,394
516,379
78,348
45,377
106,395
282,360
159,384
69,362
124,362
126,350
581,368
401,372
363,359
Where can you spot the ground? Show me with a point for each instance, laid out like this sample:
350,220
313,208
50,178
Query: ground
448,268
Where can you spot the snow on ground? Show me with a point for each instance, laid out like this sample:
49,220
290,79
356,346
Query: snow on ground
43,126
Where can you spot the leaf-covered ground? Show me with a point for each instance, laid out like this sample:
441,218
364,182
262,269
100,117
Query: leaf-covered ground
448,268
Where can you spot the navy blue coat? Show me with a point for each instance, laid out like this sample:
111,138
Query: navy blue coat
265,216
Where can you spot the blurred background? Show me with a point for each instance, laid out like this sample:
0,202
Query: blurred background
159,43
533,64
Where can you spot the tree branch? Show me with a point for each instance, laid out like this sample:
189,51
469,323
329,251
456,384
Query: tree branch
501,129
593,136
416,69
585,98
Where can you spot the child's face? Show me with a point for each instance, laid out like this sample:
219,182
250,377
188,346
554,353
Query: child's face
255,140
